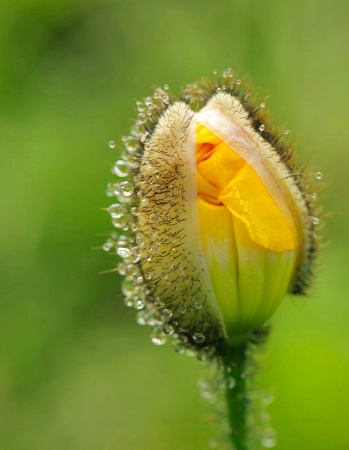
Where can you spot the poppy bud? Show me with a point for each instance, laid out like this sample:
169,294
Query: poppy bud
218,226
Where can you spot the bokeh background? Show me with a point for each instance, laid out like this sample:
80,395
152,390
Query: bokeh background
76,370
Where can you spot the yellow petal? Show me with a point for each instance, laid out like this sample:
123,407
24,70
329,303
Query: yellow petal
218,241
249,281
249,246
264,277
242,191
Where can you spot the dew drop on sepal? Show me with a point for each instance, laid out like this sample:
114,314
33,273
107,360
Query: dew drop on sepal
198,338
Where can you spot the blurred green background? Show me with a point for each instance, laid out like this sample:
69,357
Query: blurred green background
76,371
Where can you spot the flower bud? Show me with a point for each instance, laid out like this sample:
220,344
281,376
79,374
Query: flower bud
218,226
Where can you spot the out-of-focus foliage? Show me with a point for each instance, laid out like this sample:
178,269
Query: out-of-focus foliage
76,371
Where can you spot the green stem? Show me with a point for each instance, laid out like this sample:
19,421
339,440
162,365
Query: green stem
234,364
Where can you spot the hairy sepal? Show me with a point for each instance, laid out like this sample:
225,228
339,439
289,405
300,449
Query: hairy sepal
172,259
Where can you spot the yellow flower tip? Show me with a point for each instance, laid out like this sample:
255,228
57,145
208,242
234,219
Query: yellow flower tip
217,227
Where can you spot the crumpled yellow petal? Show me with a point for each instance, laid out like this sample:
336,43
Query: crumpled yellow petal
236,185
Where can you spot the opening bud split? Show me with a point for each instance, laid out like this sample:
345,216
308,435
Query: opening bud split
218,225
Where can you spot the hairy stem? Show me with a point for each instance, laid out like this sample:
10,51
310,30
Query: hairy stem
234,364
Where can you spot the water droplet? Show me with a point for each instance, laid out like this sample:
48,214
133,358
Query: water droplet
198,305
130,144
167,313
135,211
113,189
141,320
123,252
111,144
237,194
126,188
268,441
228,73
314,195
127,288
143,317
121,268
215,72
122,242
138,302
116,211
121,222
158,338
136,251
315,220
128,302
154,217
120,168
206,391
218,90
238,81
262,105
141,117
168,329
107,246
140,106
166,87
199,338
261,127
140,240
183,338
319,175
